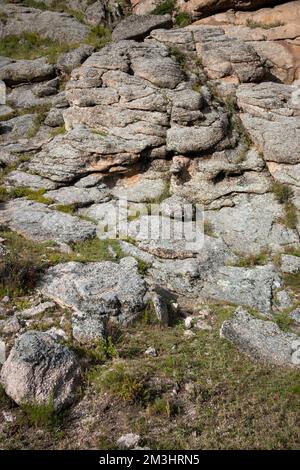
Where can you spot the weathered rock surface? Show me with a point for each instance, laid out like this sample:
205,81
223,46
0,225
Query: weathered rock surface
262,340
40,370
37,222
242,229
273,32
26,71
23,179
48,24
69,61
253,287
290,264
138,27
224,56
270,110
96,292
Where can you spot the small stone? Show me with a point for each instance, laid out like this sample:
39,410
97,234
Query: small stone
295,315
295,345
202,325
188,322
128,441
8,416
5,299
296,357
160,307
151,352
12,325
57,334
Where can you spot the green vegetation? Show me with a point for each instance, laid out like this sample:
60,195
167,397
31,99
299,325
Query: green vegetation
20,269
41,416
183,19
58,131
178,55
5,401
165,7
291,216
283,194
33,195
223,399
31,46
253,260
208,228
56,5
129,386
163,406
99,36
257,24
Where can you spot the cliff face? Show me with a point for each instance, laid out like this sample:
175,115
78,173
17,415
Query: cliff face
197,128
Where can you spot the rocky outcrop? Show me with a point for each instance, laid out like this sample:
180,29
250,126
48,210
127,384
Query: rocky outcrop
262,340
200,8
40,371
273,32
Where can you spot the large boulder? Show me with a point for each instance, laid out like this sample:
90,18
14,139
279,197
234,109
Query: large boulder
40,371
262,340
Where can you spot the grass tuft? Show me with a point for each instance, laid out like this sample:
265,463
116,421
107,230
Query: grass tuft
31,46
